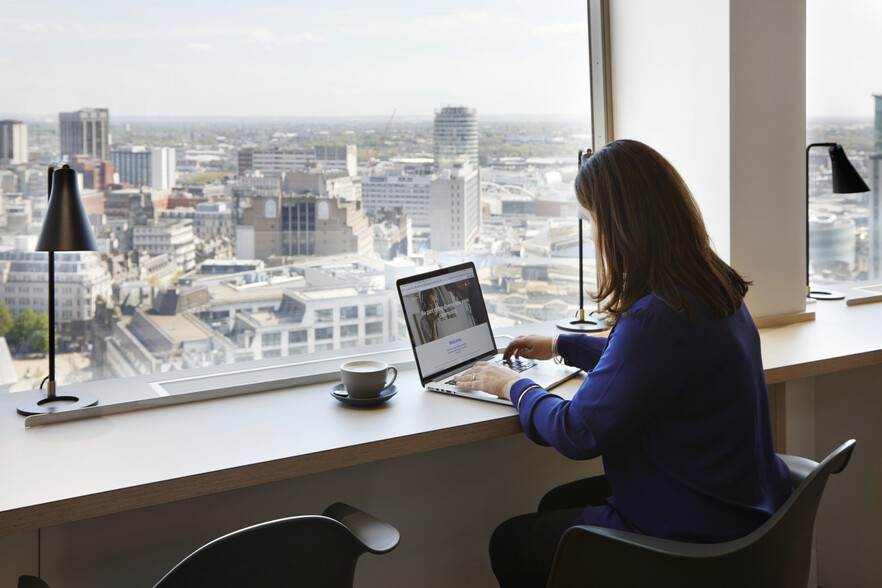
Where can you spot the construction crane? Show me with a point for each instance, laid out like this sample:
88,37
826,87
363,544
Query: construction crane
382,140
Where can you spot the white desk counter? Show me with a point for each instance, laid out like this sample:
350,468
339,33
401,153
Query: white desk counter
77,470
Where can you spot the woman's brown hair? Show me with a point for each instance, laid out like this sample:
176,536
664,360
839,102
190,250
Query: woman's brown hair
650,234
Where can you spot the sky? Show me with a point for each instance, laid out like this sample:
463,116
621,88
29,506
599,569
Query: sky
355,58
294,57
843,56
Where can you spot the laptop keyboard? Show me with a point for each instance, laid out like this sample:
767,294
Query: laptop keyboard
515,364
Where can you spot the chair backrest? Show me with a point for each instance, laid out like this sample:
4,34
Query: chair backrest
777,554
309,550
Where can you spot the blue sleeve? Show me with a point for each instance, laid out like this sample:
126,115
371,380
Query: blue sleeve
581,351
637,372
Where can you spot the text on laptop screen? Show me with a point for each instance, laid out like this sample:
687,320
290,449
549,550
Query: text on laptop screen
447,319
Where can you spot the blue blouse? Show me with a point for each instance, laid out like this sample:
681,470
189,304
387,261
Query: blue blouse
679,412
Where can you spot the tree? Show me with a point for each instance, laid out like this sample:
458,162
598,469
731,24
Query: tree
5,319
30,332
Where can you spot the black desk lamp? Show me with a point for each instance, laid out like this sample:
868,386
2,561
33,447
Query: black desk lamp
846,180
65,228
581,324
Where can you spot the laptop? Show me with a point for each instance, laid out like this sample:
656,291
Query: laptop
450,331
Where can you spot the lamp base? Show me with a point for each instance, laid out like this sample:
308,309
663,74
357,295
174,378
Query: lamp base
43,404
582,325
825,295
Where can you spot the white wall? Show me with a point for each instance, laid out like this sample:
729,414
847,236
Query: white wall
767,206
718,87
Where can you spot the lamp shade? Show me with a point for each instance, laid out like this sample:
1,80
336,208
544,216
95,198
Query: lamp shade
66,226
846,180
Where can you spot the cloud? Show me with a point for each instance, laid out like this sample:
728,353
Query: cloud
443,24
264,39
306,38
199,46
269,41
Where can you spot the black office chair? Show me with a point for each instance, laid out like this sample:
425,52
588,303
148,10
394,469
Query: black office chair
777,554
309,550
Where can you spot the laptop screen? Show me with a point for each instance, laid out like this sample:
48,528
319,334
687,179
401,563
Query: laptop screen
446,318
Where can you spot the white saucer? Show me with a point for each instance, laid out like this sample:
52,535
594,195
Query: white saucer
339,392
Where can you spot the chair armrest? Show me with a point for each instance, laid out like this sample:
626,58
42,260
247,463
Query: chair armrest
619,559
668,547
376,535
800,467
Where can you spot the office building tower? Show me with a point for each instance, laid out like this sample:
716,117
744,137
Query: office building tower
331,184
96,174
398,190
875,206
13,142
213,220
85,132
276,161
142,166
456,136
455,208
174,238
303,224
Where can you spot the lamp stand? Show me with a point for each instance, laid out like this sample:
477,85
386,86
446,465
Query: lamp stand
45,404
824,294
580,324
847,186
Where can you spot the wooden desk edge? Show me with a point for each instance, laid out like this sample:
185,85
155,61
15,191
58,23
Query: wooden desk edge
114,501
822,367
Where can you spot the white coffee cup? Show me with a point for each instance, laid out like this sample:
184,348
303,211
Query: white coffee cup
366,378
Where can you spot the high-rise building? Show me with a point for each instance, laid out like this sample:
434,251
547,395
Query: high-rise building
875,208
398,190
85,132
142,166
96,174
303,224
455,208
333,184
278,160
13,142
174,238
456,136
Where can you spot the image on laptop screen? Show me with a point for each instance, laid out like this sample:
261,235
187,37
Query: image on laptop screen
446,318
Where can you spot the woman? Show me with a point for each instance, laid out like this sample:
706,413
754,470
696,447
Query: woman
674,400
432,313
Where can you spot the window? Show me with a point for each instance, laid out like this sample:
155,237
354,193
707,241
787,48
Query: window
325,315
279,253
845,230
324,333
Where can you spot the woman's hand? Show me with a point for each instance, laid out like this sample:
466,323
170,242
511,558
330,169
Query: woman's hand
531,347
489,377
